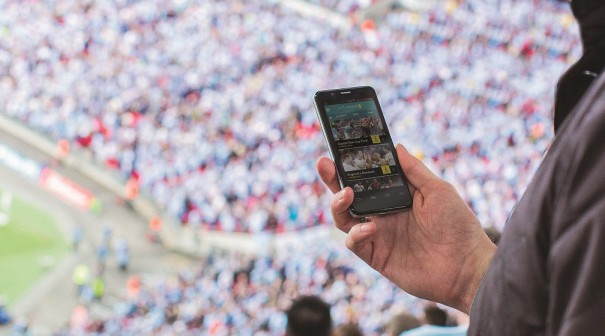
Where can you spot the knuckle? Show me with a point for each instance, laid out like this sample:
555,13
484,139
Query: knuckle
350,243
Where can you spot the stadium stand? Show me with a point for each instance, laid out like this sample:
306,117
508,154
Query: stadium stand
207,106
234,294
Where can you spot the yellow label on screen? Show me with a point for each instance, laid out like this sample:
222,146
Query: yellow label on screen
375,139
386,169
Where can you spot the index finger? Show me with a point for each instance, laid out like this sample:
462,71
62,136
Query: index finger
416,172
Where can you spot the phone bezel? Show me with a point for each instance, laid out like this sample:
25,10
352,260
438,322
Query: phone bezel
337,96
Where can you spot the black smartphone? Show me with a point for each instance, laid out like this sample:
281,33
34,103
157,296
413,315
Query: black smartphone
361,146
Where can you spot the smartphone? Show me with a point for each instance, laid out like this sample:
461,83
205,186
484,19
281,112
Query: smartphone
362,149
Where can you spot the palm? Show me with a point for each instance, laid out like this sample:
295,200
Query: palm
415,250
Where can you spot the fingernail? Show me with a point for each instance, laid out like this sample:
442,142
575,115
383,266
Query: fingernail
364,227
340,195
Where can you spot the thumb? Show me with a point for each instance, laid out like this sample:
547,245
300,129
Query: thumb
358,238
416,172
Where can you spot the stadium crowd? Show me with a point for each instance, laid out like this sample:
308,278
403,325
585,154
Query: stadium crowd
207,105
231,294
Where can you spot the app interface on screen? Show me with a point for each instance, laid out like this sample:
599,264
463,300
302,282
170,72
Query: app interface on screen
363,144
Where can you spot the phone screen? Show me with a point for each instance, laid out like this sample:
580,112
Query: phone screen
363,151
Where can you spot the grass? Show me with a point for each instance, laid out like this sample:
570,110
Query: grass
30,243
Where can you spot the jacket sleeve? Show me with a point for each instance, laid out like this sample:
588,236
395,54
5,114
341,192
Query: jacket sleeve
576,258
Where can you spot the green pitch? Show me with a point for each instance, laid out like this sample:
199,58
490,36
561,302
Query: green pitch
30,243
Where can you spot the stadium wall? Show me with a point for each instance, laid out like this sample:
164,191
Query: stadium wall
333,18
172,235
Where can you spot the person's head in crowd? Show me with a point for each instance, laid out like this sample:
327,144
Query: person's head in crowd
348,158
375,185
389,182
348,329
309,316
493,234
400,323
376,157
434,315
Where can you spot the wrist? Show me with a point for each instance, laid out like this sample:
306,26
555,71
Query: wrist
473,270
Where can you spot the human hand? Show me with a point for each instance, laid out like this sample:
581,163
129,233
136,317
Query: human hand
437,250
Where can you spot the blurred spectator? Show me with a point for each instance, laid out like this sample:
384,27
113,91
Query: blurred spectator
21,328
493,234
81,277
400,323
431,330
79,319
347,329
98,288
107,233
133,286
309,316
102,255
122,253
76,237
435,320
434,315
4,317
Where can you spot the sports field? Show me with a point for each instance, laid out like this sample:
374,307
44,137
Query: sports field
30,243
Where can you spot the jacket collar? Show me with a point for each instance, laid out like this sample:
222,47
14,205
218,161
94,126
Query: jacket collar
591,17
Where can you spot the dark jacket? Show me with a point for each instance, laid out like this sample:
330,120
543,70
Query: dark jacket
548,275
575,82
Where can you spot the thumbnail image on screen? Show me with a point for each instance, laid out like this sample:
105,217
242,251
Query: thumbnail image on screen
370,157
355,120
376,183
356,128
